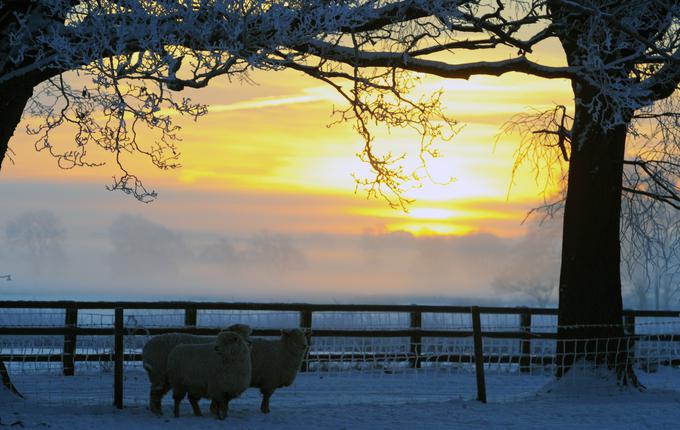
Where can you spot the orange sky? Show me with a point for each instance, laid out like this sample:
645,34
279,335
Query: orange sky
272,137
264,178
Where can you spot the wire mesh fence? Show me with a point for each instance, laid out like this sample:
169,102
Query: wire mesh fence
402,354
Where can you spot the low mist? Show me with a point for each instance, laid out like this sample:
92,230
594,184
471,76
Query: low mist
84,247
134,257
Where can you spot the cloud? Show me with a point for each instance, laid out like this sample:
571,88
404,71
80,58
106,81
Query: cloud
265,103
310,95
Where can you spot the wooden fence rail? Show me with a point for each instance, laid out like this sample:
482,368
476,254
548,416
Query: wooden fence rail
415,332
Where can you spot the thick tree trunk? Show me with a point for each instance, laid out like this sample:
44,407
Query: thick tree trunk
590,305
13,100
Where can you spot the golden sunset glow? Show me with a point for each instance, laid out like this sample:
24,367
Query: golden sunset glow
273,137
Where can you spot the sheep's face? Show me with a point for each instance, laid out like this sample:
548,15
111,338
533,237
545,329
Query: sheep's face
243,330
295,339
229,343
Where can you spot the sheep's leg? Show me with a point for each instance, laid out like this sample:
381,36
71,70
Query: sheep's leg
194,405
222,409
225,405
266,394
214,407
155,396
177,396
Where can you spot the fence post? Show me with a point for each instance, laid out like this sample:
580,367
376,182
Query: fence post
118,356
525,353
629,331
416,340
68,357
306,324
190,317
479,353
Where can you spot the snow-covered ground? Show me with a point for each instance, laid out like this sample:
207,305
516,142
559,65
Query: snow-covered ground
349,394
368,401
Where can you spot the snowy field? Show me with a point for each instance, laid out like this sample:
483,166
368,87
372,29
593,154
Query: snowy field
351,394
372,401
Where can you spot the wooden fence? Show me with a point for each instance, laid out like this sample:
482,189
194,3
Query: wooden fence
414,332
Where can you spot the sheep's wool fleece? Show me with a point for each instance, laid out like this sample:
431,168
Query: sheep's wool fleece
203,372
156,350
274,364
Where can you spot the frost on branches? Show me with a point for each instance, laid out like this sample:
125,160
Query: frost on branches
618,142
129,56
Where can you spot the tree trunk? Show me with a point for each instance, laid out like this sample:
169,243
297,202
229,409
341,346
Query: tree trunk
590,304
657,286
13,99
4,376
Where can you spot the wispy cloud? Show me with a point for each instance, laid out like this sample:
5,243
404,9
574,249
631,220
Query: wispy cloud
310,95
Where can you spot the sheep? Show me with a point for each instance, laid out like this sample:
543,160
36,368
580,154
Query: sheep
276,362
243,330
221,372
155,357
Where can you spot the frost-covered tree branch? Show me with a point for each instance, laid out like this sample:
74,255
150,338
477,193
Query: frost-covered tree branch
130,55
629,59
410,61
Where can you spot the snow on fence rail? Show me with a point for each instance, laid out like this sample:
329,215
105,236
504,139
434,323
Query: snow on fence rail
105,338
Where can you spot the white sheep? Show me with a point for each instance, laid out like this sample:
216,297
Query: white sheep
220,372
155,357
276,362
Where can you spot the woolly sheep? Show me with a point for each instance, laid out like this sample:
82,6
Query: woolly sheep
221,372
276,362
155,357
